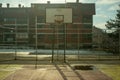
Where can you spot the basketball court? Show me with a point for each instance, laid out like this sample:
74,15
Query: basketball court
57,71
55,66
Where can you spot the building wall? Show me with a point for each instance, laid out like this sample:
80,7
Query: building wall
77,34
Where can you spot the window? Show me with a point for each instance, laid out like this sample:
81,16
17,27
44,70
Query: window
61,36
87,36
14,20
50,37
10,27
21,35
75,36
40,19
61,31
40,36
22,26
87,19
22,21
10,39
87,26
76,19
40,26
9,20
11,11
76,26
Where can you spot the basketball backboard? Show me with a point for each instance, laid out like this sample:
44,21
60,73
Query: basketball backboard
59,14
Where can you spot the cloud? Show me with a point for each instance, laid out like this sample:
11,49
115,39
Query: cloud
101,25
101,16
100,2
115,7
98,9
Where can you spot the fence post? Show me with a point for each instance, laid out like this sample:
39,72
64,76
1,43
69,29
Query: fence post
36,42
119,43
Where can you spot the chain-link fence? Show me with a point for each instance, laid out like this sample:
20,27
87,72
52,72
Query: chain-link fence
50,42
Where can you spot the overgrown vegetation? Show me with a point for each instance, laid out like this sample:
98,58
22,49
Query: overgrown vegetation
4,74
114,26
112,71
6,70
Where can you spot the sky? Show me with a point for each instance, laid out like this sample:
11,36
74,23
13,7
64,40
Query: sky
105,9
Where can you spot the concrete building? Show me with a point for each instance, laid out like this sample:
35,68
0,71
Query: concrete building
21,23
98,38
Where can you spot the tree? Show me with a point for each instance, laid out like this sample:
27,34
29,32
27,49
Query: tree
115,24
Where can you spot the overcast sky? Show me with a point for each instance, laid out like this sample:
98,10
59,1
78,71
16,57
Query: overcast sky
105,9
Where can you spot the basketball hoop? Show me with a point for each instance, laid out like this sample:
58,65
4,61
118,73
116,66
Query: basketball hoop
59,19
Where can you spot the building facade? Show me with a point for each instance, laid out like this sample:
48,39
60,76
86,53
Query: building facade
26,26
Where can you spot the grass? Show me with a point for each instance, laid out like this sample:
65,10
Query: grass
112,71
4,74
6,70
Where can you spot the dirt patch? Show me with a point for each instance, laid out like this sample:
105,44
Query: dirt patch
84,67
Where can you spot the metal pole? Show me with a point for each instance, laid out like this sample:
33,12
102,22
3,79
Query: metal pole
28,31
3,37
15,39
53,40
65,39
65,2
65,44
99,45
36,42
57,42
119,43
78,43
